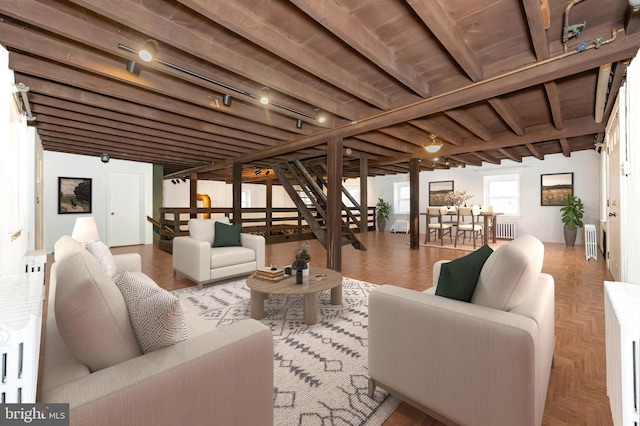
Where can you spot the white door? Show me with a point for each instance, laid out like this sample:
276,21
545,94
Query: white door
613,194
125,209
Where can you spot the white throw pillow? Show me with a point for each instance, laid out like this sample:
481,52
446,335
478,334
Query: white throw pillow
156,315
104,256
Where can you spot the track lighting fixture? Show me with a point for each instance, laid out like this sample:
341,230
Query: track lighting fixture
433,146
267,174
258,171
298,124
104,157
173,181
132,67
184,179
149,51
264,96
226,100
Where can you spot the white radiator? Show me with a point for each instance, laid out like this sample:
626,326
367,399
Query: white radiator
400,227
506,230
622,337
590,242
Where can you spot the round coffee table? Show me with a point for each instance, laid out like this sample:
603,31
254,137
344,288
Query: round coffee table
319,279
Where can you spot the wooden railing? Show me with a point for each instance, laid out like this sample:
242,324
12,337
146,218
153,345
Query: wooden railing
277,225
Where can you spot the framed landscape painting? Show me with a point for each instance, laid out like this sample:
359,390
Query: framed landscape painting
74,195
438,192
554,188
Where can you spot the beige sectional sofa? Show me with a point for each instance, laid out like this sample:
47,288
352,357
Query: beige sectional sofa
218,376
486,362
196,257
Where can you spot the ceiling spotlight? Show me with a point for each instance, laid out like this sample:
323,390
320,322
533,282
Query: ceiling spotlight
149,51
267,174
258,171
348,151
321,117
298,124
433,146
264,96
446,161
173,181
226,100
132,67
184,179
105,157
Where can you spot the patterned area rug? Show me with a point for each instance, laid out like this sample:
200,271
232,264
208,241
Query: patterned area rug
320,370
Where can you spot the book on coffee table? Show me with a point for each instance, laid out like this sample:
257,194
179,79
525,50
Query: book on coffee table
269,273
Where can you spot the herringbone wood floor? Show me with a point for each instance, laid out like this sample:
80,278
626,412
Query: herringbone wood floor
577,389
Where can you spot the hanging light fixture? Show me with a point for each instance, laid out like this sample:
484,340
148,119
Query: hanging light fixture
264,96
433,146
149,51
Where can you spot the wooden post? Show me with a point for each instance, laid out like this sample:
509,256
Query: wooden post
364,208
414,203
334,203
193,194
237,193
269,212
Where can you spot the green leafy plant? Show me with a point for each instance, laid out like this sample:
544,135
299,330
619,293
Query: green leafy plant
302,253
383,209
572,212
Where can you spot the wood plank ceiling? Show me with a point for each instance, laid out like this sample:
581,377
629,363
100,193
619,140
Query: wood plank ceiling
490,78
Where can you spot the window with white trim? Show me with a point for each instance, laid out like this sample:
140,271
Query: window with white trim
503,193
401,197
245,199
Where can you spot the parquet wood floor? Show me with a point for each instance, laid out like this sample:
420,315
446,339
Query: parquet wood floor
577,389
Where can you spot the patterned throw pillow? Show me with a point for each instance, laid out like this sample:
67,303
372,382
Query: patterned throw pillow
156,315
104,256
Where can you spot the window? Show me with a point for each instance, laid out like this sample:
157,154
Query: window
245,199
401,197
354,191
503,193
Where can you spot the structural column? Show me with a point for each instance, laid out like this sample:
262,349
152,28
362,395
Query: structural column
414,203
237,193
193,193
364,208
334,203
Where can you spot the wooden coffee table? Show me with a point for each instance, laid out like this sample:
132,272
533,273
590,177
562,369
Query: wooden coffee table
319,279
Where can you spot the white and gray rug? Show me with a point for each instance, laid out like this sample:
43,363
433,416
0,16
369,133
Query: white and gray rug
320,370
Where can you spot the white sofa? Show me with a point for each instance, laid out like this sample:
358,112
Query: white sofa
481,363
195,256
218,376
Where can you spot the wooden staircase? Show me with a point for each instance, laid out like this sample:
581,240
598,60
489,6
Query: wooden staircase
301,182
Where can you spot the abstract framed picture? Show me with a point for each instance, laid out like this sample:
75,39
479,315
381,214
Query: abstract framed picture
74,195
554,188
438,192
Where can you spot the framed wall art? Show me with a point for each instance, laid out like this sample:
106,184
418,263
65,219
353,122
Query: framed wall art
438,192
554,188
74,195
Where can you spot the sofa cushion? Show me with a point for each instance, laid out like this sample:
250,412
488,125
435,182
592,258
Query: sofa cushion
227,235
458,278
156,315
203,229
104,256
509,273
228,256
91,314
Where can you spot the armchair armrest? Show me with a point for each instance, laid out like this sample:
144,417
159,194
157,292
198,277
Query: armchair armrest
131,262
222,377
192,258
469,363
256,243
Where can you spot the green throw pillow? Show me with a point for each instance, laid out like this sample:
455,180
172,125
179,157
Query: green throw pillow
459,277
227,235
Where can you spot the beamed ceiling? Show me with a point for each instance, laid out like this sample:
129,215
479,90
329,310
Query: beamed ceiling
490,78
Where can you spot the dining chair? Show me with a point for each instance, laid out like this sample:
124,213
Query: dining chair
488,209
463,225
439,228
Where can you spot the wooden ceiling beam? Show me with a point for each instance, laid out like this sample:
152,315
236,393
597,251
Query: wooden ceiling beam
566,149
461,159
537,31
551,88
469,123
233,16
508,114
510,155
616,82
451,38
431,126
485,157
344,25
534,151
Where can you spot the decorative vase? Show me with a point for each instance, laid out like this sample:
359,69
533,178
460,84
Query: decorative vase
301,269
382,224
570,236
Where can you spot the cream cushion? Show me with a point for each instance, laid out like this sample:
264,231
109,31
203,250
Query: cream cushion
509,273
204,229
104,256
156,315
91,314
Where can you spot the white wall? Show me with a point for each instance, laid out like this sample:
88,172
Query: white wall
57,164
542,222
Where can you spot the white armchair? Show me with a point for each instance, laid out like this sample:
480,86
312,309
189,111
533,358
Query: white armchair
195,256
470,363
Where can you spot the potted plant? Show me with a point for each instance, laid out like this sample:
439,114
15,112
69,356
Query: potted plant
383,209
572,214
302,257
